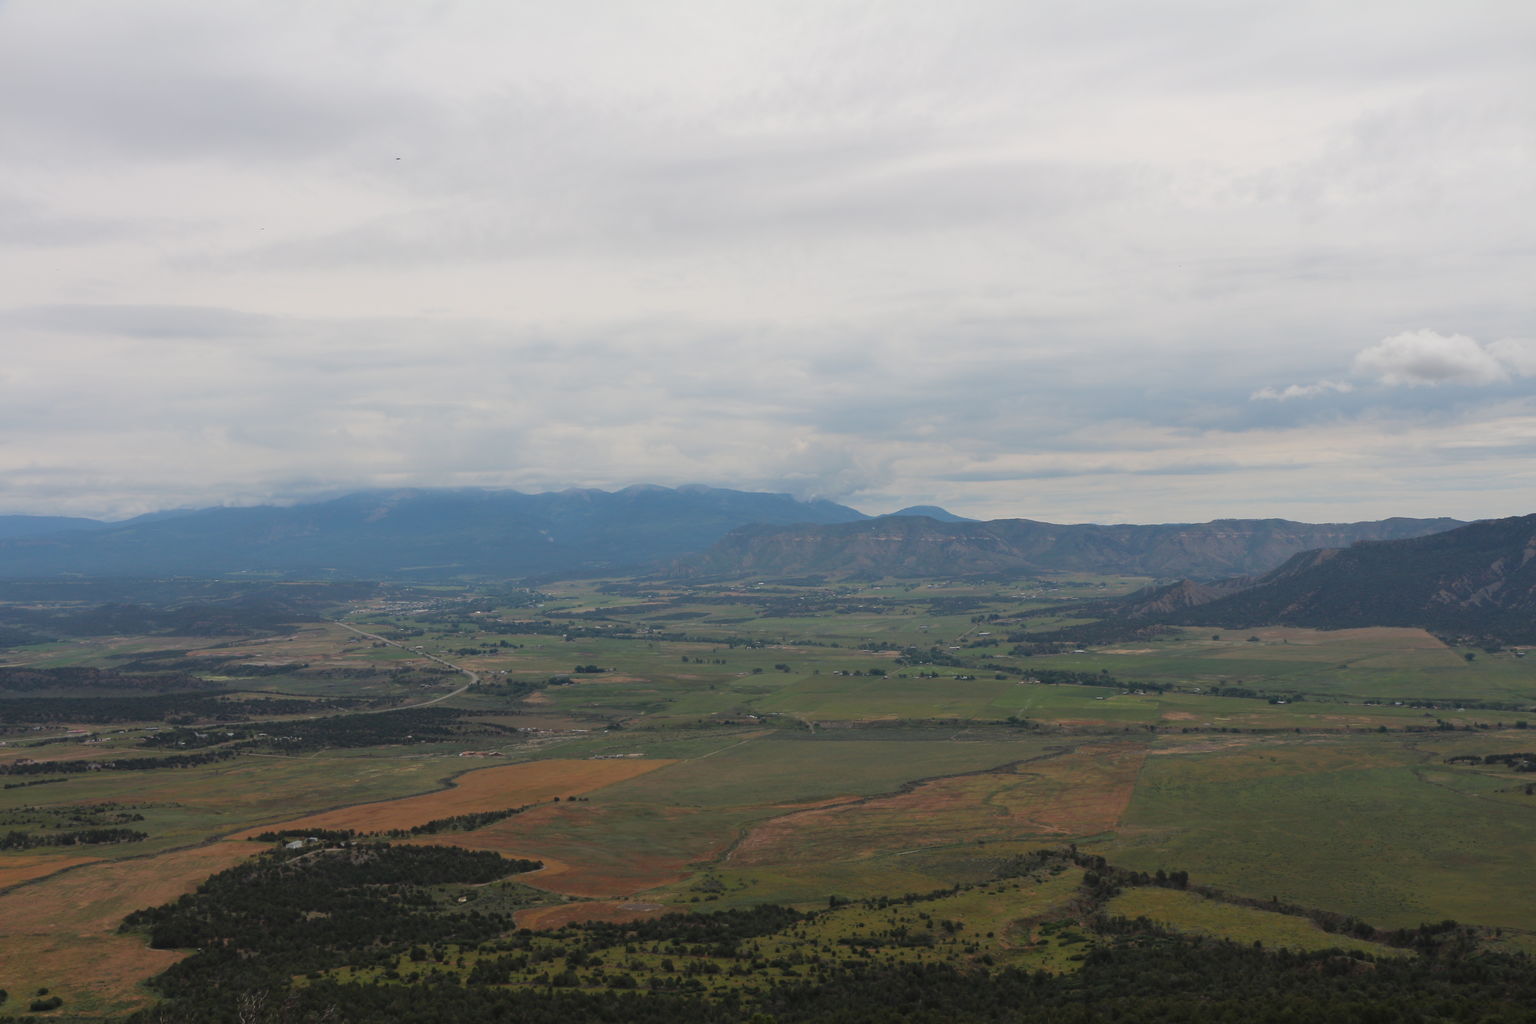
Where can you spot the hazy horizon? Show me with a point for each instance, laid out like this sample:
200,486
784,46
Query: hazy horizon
869,511
1098,262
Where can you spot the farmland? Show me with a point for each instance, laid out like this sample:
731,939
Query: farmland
659,748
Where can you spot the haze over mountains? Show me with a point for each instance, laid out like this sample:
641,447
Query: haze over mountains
694,530
1478,580
43,526
415,533
916,546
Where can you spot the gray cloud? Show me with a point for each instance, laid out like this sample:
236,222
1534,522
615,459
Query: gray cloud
139,321
1427,357
33,224
1290,391
1423,358
170,81
1098,260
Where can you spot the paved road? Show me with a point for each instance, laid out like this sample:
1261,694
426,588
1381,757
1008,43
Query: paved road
474,677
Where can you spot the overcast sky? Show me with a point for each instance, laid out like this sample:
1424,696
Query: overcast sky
1117,261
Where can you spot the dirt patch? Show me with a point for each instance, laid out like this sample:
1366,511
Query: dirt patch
607,911
485,789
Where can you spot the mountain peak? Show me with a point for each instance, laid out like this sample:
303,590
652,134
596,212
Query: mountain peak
416,532
931,512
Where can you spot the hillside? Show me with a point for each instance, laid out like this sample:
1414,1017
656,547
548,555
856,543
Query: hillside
934,512
1478,580
43,526
416,533
918,546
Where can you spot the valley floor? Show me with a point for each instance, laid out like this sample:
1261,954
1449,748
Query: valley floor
912,777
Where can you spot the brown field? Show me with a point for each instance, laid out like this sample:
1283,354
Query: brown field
1272,757
545,722
597,851
24,867
1199,745
61,932
1395,637
1081,792
484,789
99,647
609,911
68,752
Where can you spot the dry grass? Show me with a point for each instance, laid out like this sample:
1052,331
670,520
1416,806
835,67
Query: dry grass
485,789
1394,637
1194,914
1080,793
67,752
26,866
608,911
596,851
61,932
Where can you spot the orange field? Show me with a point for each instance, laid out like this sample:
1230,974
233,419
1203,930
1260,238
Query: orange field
484,789
61,932
24,867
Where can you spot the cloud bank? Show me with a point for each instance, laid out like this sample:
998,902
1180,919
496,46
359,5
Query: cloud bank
1061,261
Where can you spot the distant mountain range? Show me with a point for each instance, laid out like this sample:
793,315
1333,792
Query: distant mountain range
929,512
905,545
688,531
420,534
1478,580
44,526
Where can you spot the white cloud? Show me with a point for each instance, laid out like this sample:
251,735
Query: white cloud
1518,354
1285,394
1425,357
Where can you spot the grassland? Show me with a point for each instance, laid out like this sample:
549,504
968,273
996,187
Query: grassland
733,745
484,789
1199,915
1375,826
1017,922
62,934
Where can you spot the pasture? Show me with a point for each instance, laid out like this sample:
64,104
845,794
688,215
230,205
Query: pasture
732,744
1378,827
1194,914
481,789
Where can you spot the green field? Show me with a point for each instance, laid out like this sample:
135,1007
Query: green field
797,745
